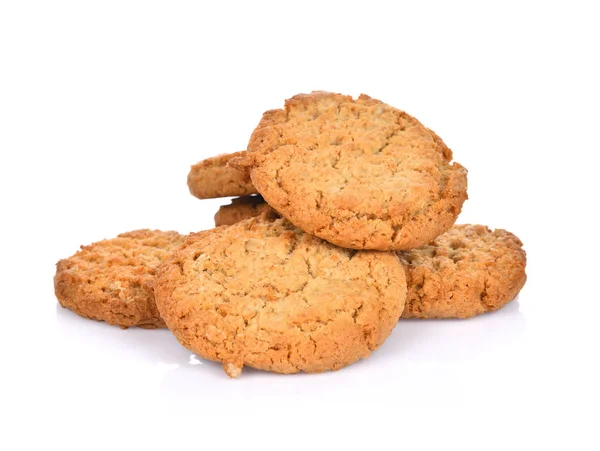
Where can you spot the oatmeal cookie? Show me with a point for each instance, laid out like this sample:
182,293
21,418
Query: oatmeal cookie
241,208
466,271
111,280
264,294
357,173
213,178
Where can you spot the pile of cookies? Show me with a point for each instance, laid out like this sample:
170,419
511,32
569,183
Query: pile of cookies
344,224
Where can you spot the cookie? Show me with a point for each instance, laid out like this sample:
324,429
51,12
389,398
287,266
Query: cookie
264,294
357,173
241,208
213,178
464,272
112,280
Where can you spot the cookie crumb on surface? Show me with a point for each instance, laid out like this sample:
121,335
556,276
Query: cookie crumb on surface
232,370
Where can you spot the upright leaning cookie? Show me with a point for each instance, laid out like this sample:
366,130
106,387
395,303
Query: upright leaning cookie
466,271
357,173
213,178
241,208
264,294
111,280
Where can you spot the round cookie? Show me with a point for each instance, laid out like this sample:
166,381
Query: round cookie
357,173
111,280
265,294
466,271
213,178
241,208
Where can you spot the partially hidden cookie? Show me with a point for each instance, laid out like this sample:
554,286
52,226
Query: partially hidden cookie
241,208
213,178
264,294
111,280
357,173
466,271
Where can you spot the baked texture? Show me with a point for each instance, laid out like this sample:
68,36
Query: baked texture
241,208
112,280
464,272
357,173
264,294
213,178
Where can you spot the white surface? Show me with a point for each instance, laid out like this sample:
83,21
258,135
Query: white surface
105,105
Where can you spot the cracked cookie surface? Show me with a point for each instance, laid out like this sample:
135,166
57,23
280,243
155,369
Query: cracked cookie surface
357,173
264,294
466,271
111,280
212,178
241,208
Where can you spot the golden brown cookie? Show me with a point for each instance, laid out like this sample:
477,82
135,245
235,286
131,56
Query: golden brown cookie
241,208
262,293
212,178
357,173
112,280
466,271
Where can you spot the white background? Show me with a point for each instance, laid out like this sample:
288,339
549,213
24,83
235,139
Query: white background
105,105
